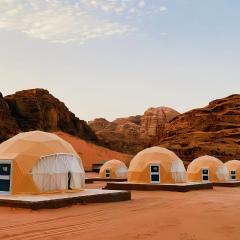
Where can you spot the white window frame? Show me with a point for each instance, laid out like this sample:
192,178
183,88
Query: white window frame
154,173
235,174
205,168
10,176
107,169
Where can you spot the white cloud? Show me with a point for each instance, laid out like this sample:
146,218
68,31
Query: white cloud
163,8
141,4
55,21
65,21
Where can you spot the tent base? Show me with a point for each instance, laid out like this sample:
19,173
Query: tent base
183,187
48,201
227,184
95,179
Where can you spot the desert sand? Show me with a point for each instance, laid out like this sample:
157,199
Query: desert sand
91,153
197,215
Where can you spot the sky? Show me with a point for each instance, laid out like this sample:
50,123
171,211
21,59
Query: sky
116,58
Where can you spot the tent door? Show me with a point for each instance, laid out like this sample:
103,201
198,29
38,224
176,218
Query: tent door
233,175
154,173
107,173
5,176
205,174
69,180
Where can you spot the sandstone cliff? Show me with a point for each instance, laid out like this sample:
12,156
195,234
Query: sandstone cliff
153,122
212,130
132,134
37,109
8,125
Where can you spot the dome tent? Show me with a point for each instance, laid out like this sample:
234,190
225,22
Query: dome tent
156,165
233,168
113,169
36,162
207,168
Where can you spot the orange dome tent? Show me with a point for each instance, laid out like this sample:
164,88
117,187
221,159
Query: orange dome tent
207,168
36,162
233,168
156,165
113,169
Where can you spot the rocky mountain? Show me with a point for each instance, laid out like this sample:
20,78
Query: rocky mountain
212,130
37,109
8,125
153,123
134,133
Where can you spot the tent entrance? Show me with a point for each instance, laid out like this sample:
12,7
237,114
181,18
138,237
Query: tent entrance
5,176
69,180
154,173
58,172
233,175
205,174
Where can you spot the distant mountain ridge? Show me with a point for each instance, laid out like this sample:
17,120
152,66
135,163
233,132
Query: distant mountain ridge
37,109
212,130
134,133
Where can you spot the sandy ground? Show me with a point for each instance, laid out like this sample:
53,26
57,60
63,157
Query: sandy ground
91,153
198,215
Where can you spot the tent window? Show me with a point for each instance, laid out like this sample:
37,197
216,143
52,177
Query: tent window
205,174
107,173
233,175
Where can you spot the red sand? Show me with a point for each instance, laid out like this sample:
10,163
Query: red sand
91,153
199,215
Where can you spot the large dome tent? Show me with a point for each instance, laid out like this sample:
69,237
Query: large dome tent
37,162
207,169
156,165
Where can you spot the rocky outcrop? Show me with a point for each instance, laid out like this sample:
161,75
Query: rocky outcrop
121,135
132,134
37,109
8,125
212,130
153,122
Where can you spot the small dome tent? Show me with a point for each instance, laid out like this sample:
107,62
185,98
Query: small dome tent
233,168
207,168
156,165
37,162
113,169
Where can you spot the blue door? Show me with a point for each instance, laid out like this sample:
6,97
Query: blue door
5,172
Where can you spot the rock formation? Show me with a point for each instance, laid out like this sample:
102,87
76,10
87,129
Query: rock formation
37,109
153,122
212,130
132,134
8,125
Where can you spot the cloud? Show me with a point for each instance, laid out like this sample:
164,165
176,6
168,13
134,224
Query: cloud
163,8
63,21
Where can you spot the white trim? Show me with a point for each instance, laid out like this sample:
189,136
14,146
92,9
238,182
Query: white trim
154,173
10,176
202,169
